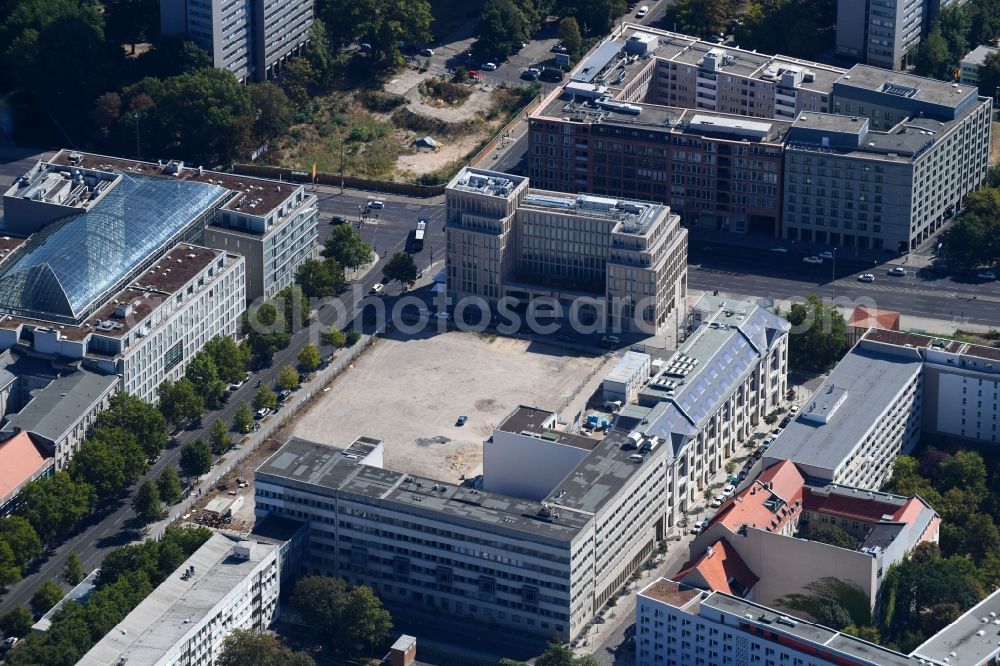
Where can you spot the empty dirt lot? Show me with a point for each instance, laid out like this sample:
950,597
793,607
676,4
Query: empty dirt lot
410,392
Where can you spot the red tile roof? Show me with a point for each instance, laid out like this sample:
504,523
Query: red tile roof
862,508
20,460
748,508
865,317
720,569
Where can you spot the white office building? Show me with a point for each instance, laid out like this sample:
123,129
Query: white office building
224,586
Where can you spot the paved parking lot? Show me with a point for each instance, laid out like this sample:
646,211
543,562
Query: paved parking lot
410,392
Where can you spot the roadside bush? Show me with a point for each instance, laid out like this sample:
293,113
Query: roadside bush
453,94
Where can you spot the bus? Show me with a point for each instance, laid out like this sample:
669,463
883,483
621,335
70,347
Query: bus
418,236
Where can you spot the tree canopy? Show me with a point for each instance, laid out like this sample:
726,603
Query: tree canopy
196,458
245,647
347,618
347,248
818,336
400,267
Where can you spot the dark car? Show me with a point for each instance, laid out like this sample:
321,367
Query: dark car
338,219
461,420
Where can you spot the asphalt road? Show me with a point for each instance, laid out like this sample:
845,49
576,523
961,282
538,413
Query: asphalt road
761,273
115,524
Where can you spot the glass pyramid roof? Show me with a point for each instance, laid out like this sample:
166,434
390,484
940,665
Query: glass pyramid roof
63,269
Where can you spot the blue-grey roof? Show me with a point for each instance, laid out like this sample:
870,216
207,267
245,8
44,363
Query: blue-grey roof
64,268
722,354
597,61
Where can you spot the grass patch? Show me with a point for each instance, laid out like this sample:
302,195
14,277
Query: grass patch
441,92
378,101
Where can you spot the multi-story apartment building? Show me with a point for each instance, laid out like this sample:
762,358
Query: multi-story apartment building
890,390
224,586
724,379
249,38
847,185
885,33
677,625
665,117
55,401
759,546
621,264
969,67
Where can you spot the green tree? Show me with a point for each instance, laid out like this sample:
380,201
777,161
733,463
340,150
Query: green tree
288,378
229,357
319,279
705,18
266,330
173,55
557,655
989,86
309,358
365,621
196,458
142,419
243,419
981,537
206,115
99,465
10,568
17,622
203,373
866,633
218,436
45,597
265,398
818,336
833,535
320,55
333,337
55,504
346,247
964,470
169,485
73,570
400,267
147,503
933,57
569,35
24,543
501,29
180,401
274,113
352,338
246,647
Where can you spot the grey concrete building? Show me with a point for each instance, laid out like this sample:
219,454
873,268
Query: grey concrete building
250,38
891,168
620,264
969,67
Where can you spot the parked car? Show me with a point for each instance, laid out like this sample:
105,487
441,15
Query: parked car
826,254
698,527
283,394
235,386
11,641
530,74
475,74
898,271
427,53
729,490
262,412
489,66
866,277
812,260
559,48
461,420
642,11
377,288
247,375
338,219
610,340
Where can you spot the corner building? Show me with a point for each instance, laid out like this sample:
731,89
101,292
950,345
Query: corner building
506,240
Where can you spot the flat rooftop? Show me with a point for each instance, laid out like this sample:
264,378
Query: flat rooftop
977,56
263,191
54,410
627,215
630,363
901,84
312,465
178,606
870,381
974,638
526,418
481,181
671,592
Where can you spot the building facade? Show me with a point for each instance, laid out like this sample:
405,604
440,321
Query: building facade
973,60
666,117
224,586
615,264
273,242
250,39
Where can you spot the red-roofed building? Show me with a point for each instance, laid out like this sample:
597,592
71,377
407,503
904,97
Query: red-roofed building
21,461
763,535
864,318
720,568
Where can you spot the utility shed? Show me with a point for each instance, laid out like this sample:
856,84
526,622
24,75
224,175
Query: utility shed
627,377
